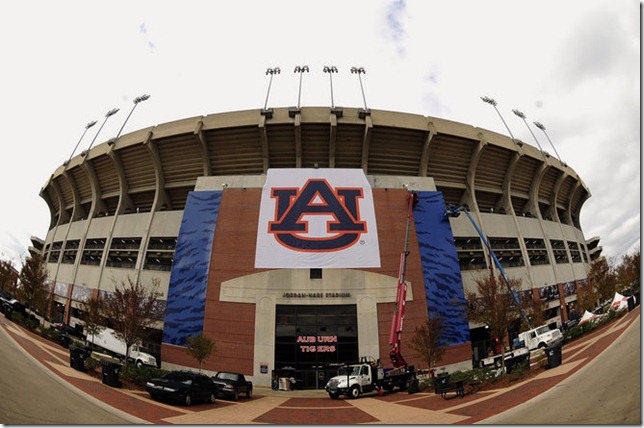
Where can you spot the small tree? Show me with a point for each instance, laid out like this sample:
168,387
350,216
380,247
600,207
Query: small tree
493,305
32,290
132,310
586,298
427,340
8,277
534,309
602,279
92,317
628,272
201,347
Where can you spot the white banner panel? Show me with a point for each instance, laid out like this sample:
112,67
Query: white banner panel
317,218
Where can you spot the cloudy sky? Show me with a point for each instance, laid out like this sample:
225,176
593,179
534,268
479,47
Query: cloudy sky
573,65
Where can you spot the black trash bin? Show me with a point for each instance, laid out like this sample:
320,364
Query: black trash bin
77,358
111,373
554,356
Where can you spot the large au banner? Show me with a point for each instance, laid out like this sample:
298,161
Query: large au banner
317,218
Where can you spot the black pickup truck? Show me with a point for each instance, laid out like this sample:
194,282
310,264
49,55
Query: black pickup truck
232,384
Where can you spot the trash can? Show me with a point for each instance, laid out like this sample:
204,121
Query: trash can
77,358
441,382
554,356
111,373
414,386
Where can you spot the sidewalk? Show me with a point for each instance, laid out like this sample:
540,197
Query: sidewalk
314,406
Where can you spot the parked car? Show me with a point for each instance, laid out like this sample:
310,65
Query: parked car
232,384
183,386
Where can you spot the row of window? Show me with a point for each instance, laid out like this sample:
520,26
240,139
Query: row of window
122,252
508,251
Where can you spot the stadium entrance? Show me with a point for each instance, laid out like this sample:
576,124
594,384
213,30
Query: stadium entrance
312,341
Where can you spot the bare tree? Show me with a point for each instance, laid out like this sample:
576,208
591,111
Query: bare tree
132,310
427,340
493,305
201,347
32,290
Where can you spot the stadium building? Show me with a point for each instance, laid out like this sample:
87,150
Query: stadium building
279,232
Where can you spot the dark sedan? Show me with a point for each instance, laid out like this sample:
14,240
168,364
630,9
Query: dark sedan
183,386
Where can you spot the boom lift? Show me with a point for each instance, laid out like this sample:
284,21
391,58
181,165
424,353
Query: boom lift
454,211
397,360
369,375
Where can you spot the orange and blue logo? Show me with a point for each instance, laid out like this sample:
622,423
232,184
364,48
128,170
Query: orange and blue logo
339,206
317,218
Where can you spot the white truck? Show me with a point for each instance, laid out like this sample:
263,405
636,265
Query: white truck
356,379
536,338
541,337
511,358
106,339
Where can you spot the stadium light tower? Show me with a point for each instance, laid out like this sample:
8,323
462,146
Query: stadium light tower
107,116
136,102
89,125
522,116
331,69
359,71
492,102
543,128
300,69
271,71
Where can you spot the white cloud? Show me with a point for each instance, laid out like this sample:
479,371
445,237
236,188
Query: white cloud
572,65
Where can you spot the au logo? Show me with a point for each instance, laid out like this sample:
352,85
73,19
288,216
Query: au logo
317,198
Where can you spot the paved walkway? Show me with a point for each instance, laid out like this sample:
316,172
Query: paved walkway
314,407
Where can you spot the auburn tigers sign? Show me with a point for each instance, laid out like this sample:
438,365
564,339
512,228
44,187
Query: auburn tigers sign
317,218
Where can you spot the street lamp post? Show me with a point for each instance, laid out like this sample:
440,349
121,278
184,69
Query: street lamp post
107,116
89,125
301,70
543,128
271,71
136,102
522,116
492,102
331,69
359,71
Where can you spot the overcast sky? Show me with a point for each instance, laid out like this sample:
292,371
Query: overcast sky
573,65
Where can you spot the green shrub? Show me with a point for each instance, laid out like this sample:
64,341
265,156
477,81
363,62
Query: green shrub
91,363
140,375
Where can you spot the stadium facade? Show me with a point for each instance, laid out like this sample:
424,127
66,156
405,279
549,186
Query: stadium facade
278,233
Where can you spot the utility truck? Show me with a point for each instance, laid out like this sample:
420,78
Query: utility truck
511,358
107,340
540,337
368,375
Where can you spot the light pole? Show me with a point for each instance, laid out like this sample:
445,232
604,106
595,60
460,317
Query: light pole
301,70
136,102
522,116
543,128
359,71
331,69
271,71
492,102
107,116
89,125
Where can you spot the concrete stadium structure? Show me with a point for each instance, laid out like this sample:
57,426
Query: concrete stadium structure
179,203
